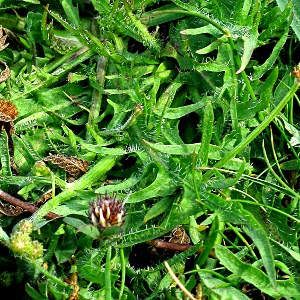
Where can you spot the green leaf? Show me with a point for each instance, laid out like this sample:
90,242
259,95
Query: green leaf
160,15
236,214
262,69
76,223
180,212
214,45
34,294
166,99
71,12
209,242
178,112
220,182
158,208
89,265
250,42
143,235
255,276
290,165
215,152
124,185
295,139
156,188
4,238
278,23
208,122
4,154
83,182
291,252
68,245
225,293
141,32
33,27
184,149
283,4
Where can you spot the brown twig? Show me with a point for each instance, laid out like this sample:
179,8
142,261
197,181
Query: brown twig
26,206
175,247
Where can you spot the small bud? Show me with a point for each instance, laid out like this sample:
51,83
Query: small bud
107,212
36,250
7,279
20,243
25,226
40,169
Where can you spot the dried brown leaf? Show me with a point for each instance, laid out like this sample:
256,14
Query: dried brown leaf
2,39
5,72
71,164
45,197
10,210
179,236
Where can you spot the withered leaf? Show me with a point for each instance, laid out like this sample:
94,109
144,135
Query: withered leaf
71,164
179,236
5,72
8,111
2,39
43,199
10,210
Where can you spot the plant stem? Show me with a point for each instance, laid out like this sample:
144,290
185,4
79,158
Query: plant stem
26,206
295,194
123,273
256,131
108,275
50,276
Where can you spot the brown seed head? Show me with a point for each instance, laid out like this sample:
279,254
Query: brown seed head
296,72
8,111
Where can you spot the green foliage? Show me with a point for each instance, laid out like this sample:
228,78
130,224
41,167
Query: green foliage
186,111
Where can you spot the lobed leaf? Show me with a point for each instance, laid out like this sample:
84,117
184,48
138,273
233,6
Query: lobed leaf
255,276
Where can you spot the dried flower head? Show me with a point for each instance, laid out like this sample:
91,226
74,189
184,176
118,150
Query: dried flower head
8,111
296,72
107,212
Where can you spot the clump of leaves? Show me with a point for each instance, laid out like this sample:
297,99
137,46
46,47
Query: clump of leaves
187,112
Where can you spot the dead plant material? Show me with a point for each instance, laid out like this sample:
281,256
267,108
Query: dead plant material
43,199
8,113
3,38
73,165
23,205
73,281
5,72
179,236
175,247
10,210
